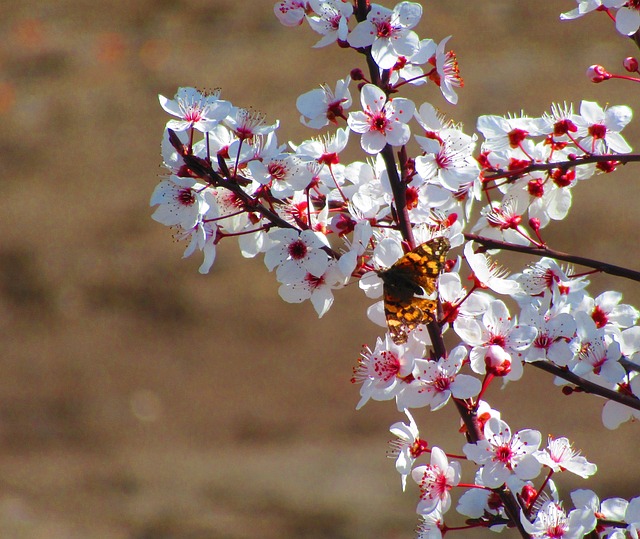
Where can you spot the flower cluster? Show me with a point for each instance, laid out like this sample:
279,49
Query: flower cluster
625,13
321,224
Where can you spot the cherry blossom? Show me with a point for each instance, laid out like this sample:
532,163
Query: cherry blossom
322,105
559,455
478,503
407,446
611,509
388,32
368,200
552,522
435,481
247,124
181,201
615,413
384,371
627,17
408,68
295,254
203,238
431,526
488,273
601,127
253,243
382,121
584,7
560,122
323,223
284,174
436,381
632,517
448,158
318,289
502,454
291,12
599,353
546,278
507,133
452,295
496,337
554,340
502,221
173,159
326,149
195,109
606,310
330,20
447,75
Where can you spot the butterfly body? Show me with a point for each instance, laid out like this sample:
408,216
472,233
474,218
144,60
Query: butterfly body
409,287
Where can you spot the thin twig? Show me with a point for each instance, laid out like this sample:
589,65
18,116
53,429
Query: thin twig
515,173
587,386
604,267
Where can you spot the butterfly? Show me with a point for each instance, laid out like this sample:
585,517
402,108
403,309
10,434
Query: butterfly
409,285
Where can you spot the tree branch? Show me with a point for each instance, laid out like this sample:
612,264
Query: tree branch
604,267
587,386
514,173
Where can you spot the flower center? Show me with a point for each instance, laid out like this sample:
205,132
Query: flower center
503,454
384,29
536,188
543,341
516,136
277,171
599,317
442,383
313,281
186,197
297,250
379,122
597,131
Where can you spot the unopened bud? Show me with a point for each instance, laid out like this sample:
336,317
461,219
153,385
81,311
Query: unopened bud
528,494
630,64
607,166
497,361
536,187
534,223
597,73
357,74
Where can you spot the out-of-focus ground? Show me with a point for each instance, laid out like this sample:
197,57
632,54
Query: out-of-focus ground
141,400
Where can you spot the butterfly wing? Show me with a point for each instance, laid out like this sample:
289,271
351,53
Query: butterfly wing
414,275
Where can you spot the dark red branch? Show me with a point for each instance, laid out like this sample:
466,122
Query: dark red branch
514,173
587,386
398,189
604,267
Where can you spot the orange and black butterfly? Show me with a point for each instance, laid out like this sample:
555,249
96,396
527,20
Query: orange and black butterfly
409,286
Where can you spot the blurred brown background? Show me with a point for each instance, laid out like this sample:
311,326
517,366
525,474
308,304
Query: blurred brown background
141,400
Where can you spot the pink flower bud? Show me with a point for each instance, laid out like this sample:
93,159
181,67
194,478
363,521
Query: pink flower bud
597,73
357,74
536,187
630,64
534,223
497,361
528,494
